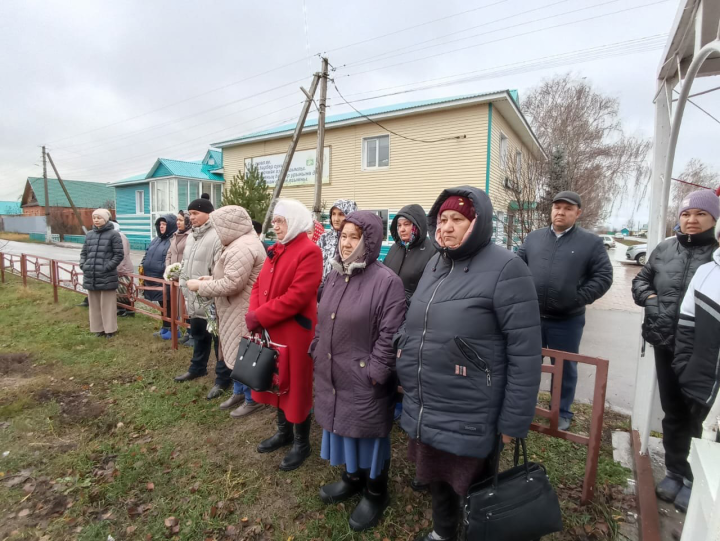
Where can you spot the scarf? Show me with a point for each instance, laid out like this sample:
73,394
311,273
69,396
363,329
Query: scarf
356,254
298,218
413,237
317,231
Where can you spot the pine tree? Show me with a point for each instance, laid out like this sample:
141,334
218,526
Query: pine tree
250,191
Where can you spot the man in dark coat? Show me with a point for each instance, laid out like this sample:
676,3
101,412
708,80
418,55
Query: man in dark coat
571,269
412,249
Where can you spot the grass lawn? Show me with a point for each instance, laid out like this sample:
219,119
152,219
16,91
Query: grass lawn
628,242
18,237
96,440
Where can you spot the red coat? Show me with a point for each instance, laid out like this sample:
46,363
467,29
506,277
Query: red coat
284,299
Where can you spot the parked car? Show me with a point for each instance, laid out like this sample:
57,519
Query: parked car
608,241
637,253
619,236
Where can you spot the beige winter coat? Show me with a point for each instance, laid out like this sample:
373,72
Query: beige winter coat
233,276
202,251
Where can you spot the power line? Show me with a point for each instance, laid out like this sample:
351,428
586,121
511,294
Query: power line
506,38
395,52
179,102
415,26
389,130
168,123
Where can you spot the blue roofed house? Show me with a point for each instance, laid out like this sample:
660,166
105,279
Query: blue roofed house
166,188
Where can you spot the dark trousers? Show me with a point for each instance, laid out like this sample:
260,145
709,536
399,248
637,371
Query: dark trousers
681,422
565,335
446,507
166,324
204,342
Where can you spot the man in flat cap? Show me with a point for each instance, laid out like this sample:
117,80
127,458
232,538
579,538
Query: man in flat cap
571,269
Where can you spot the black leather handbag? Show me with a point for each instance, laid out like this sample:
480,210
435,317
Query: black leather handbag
516,505
256,363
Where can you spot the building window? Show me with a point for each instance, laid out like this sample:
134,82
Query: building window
503,151
518,164
376,152
140,202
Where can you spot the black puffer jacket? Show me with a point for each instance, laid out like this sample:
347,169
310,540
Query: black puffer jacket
154,261
469,354
409,261
99,258
667,273
570,271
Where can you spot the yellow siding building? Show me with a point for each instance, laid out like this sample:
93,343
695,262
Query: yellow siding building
421,148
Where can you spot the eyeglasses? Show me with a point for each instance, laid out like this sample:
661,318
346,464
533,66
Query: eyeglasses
279,220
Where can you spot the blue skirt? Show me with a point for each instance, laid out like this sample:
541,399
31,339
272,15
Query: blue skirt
356,453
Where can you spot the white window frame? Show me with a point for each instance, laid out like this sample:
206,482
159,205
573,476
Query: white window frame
503,151
376,167
140,209
518,164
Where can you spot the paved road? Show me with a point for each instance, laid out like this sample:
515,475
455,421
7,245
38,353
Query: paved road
612,329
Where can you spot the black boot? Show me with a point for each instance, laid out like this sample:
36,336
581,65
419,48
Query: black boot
300,449
281,438
374,502
344,489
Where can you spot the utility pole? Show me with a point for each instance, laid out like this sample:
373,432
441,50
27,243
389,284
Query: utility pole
291,151
320,156
62,185
48,232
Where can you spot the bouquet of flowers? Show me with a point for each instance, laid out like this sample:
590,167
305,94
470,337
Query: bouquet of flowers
172,272
207,304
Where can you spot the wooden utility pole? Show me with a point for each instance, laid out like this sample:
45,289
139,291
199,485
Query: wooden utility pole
291,151
62,185
48,232
320,156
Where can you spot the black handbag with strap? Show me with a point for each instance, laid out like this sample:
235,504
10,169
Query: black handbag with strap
256,362
516,505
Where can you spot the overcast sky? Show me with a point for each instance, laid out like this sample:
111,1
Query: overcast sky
111,86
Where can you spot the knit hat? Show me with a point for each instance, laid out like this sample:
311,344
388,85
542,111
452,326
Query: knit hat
703,200
463,205
202,205
103,213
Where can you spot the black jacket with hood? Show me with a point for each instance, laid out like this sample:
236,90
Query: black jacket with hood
409,261
469,353
154,261
99,258
570,271
667,273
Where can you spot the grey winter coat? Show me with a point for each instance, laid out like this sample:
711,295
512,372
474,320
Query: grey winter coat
357,317
570,271
469,354
409,261
667,273
328,241
99,258
154,261
202,250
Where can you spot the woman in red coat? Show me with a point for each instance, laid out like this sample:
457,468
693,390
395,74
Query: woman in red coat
283,301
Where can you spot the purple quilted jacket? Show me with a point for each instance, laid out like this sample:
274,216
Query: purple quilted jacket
357,317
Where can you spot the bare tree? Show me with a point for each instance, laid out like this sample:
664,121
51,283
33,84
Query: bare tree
694,177
601,162
528,183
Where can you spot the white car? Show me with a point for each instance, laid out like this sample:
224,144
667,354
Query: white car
608,241
619,236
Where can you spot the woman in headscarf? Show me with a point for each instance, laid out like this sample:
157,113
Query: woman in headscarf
468,355
153,265
284,303
230,285
99,258
316,231
362,305
328,242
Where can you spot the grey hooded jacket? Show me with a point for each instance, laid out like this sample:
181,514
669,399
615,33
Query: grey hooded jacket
469,354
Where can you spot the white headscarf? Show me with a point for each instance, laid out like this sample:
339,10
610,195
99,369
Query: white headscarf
298,217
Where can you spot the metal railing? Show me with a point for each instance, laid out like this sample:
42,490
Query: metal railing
68,275
594,438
